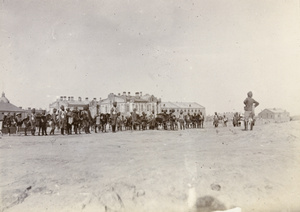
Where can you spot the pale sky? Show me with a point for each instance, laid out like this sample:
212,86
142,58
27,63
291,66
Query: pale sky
211,52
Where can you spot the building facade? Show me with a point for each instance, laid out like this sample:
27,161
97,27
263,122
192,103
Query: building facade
186,107
127,102
71,103
276,114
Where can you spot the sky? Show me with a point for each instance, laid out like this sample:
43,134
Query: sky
207,51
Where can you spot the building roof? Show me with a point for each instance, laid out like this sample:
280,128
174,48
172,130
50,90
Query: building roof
128,98
8,107
79,103
71,102
182,105
115,99
275,110
168,105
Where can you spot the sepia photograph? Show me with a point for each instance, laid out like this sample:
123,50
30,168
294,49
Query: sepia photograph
149,106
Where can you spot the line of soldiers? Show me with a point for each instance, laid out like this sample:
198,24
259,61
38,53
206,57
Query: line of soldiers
37,123
76,121
161,120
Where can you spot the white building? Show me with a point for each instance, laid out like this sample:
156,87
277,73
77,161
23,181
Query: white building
126,103
186,107
71,103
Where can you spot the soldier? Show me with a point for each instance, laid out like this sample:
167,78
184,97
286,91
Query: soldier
181,120
26,122
97,122
188,120
19,122
33,121
53,121
89,118
152,121
7,122
43,123
85,120
69,121
75,114
119,122
201,117
172,119
250,104
114,116
235,120
134,119
62,117
225,120
144,121
216,120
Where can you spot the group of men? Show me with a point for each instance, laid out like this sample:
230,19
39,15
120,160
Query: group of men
65,120
68,121
152,121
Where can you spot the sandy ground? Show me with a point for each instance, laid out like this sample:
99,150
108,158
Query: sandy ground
191,170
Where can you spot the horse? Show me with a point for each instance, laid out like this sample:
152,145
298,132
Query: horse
104,120
162,120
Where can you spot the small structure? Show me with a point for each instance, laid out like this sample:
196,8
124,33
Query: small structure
7,107
276,114
186,107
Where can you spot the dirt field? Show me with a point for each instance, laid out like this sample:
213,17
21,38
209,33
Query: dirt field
151,171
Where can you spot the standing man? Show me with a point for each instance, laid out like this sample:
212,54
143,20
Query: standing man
90,119
216,120
44,123
69,121
134,119
86,119
114,116
250,104
7,121
33,121
75,114
181,120
62,117
53,121
19,122
201,117
152,120
225,120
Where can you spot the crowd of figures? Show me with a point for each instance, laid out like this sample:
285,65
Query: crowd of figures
236,120
77,121
80,121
